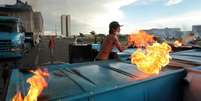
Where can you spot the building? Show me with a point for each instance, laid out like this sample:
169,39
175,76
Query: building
32,21
21,10
197,30
66,25
166,33
38,22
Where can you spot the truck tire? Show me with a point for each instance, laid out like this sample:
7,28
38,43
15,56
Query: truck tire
23,47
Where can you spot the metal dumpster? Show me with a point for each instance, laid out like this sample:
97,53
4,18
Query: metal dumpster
192,91
104,81
193,56
80,53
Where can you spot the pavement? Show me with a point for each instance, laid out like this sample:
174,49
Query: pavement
40,55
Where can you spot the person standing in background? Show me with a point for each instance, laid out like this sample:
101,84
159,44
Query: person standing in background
52,45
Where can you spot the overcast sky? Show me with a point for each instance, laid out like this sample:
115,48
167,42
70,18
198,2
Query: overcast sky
88,15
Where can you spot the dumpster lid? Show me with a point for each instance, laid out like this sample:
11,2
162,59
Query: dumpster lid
193,55
80,80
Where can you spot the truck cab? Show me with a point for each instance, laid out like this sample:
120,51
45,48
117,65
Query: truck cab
11,37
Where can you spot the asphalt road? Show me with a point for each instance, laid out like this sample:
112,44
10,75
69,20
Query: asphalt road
40,55
37,56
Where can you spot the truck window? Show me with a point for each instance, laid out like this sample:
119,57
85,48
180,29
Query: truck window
8,27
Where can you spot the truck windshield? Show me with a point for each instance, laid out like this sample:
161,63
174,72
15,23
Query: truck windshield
8,27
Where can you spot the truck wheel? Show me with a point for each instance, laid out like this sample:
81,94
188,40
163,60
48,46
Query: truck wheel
23,47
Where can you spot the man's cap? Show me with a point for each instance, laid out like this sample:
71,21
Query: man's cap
114,24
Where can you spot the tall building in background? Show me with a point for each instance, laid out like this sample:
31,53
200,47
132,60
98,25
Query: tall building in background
65,25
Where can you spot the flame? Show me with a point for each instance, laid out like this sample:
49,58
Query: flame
37,84
141,39
177,43
18,97
152,59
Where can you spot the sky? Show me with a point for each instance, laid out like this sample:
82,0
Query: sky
88,15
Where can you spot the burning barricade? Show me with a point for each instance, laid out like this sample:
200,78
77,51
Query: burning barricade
178,43
150,56
37,84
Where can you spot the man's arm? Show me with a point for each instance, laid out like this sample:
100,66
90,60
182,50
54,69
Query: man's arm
118,44
127,45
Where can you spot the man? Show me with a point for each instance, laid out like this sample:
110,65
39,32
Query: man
111,41
51,47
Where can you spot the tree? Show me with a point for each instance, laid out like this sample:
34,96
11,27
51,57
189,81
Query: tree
101,35
81,34
94,34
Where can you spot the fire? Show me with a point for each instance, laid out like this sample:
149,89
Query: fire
152,59
37,84
177,43
18,97
141,39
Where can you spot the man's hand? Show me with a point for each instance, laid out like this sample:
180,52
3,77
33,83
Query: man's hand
128,44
